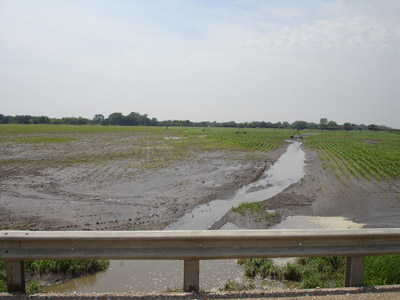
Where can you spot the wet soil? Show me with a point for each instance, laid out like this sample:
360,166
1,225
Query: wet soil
40,189
106,182
84,185
321,194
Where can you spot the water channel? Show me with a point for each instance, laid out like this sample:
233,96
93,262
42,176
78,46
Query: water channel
146,276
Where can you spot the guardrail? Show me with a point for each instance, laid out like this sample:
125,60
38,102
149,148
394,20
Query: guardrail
193,246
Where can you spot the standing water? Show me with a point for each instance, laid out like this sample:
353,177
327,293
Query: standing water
157,276
287,170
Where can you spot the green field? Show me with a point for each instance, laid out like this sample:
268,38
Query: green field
146,147
371,155
249,139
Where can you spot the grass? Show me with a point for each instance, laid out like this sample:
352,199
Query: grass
22,129
253,208
324,272
254,139
137,148
232,286
70,268
262,267
382,270
256,209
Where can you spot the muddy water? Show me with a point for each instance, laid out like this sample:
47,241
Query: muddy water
156,276
287,170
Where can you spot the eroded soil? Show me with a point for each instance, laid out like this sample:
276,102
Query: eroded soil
118,181
320,193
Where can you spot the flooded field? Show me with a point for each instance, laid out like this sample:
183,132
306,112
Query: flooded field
114,178
149,276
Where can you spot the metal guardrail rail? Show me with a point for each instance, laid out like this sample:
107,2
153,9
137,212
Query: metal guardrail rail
193,246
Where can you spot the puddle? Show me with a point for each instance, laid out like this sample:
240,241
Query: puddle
145,276
286,171
174,138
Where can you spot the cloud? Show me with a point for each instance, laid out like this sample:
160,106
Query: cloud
359,32
241,60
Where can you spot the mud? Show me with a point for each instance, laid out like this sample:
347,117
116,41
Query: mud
115,182
104,182
321,194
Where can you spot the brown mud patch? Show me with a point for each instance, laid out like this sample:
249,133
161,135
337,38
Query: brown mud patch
115,181
121,181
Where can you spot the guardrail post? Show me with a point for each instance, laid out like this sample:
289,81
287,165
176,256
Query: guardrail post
191,271
15,277
354,271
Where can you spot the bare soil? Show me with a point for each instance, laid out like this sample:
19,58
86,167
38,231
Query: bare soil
320,193
120,181
115,182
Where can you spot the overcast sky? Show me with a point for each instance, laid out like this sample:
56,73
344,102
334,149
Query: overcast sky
219,60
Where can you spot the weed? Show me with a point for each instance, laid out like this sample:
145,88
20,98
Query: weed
253,208
262,267
65,267
169,290
293,272
275,214
232,286
256,209
3,286
380,270
33,287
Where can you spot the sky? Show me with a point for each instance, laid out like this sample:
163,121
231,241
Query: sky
208,60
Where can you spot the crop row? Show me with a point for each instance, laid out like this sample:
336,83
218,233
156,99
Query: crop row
248,139
372,158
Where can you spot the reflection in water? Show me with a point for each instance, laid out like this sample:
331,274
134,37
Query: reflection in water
286,171
157,276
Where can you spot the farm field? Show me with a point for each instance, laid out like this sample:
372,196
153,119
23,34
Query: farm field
351,175
59,177
122,178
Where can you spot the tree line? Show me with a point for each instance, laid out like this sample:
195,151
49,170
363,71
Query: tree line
137,119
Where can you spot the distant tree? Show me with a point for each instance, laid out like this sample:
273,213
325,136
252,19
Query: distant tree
133,119
44,120
332,125
270,125
55,121
263,124
26,119
116,119
323,122
229,124
153,122
348,126
3,119
69,120
81,121
372,127
312,125
299,125
98,118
